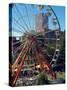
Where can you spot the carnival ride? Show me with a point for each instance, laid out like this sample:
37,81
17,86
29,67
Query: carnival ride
31,55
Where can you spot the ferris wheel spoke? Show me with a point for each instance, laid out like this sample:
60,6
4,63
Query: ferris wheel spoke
17,49
28,16
19,45
34,18
47,45
13,29
34,23
19,28
44,38
31,20
14,43
17,42
22,50
22,17
18,17
53,39
14,53
19,24
50,31
22,44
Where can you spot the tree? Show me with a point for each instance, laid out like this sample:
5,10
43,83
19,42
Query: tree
43,79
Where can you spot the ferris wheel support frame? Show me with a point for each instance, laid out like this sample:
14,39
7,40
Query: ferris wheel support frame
57,51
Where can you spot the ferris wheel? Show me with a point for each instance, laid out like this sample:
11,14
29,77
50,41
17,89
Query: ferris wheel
35,30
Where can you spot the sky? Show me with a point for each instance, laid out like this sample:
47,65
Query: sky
24,17
60,12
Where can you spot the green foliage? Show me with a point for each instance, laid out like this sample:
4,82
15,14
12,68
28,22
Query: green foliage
50,50
43,79
62,43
